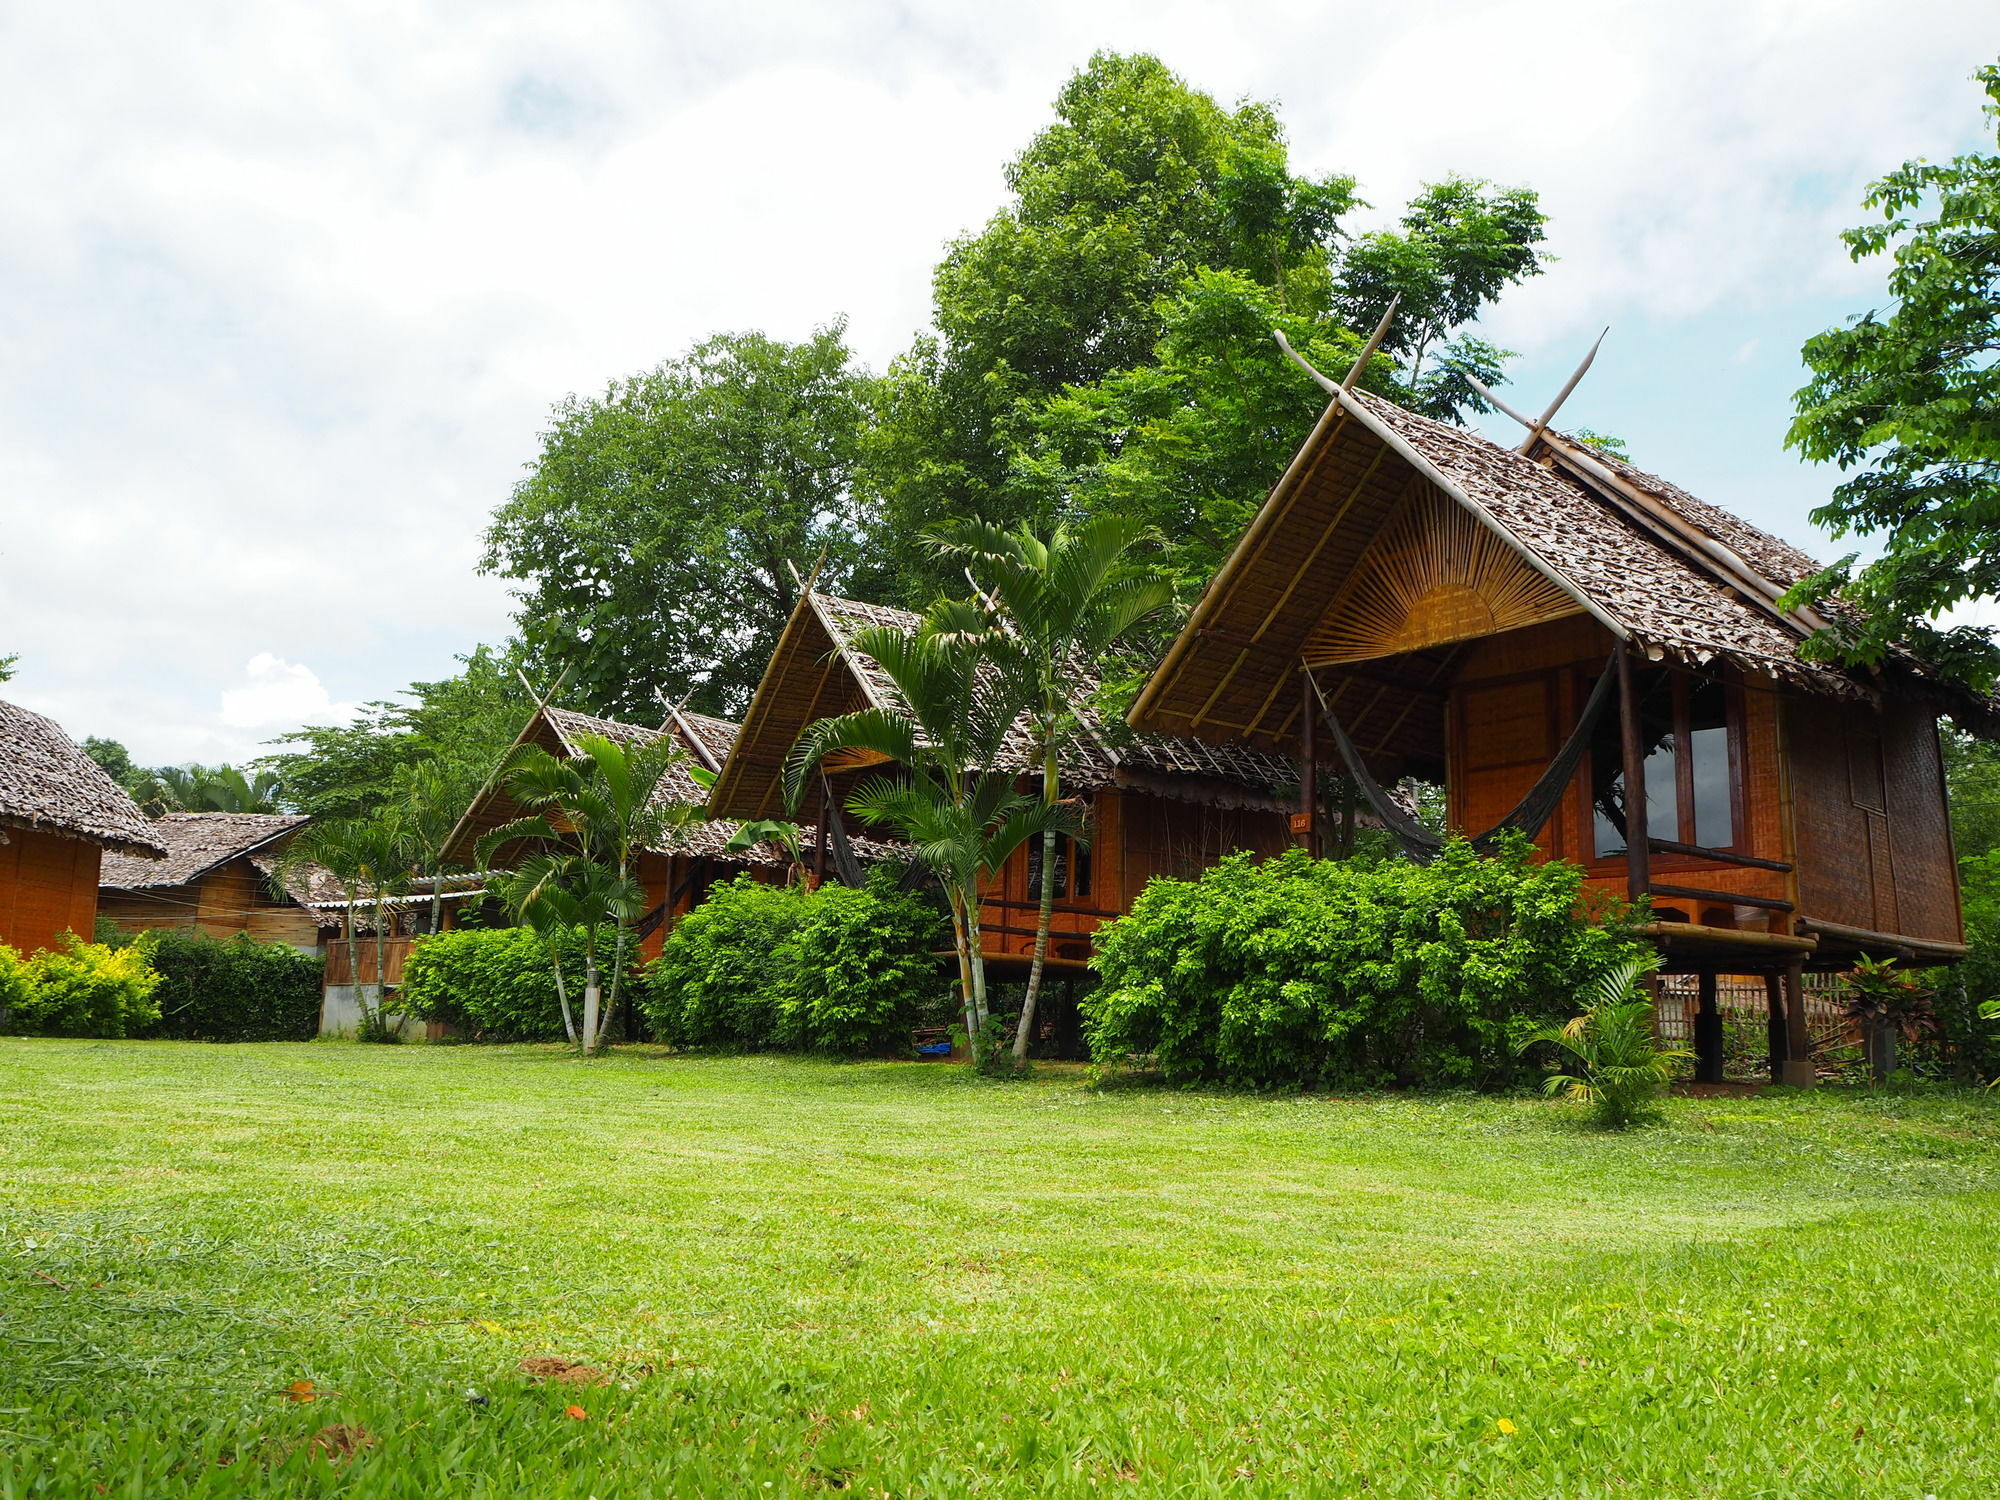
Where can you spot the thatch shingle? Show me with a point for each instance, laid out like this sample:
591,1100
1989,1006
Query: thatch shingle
48,783
196,842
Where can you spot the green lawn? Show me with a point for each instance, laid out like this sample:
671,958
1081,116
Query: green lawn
895,1279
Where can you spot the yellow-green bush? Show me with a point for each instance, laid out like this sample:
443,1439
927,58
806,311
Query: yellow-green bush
80,989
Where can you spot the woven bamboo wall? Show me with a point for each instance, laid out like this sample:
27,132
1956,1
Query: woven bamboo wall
1868,798
236,897
48,886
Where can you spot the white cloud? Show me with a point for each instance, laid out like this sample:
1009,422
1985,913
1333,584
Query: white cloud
290,287
281,695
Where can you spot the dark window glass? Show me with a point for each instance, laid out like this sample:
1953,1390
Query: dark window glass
1607,765
1708,760
1072,869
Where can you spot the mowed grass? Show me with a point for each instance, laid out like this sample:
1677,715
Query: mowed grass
894,1279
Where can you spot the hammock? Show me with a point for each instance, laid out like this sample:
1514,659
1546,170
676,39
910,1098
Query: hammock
1527,816
845,865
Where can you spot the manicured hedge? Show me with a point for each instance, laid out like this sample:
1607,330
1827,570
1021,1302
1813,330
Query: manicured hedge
233,989
840,971
1354,973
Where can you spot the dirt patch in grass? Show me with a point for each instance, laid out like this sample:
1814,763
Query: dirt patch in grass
562,1371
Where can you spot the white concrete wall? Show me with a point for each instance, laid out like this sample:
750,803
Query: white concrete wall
340,1013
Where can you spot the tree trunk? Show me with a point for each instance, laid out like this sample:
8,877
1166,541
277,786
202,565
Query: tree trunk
381,958
590,999
965,994
976,953
1045,916
354,953
562,994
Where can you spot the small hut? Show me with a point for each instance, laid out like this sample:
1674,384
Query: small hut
1588,653
1158,804
693,857
216,878
59,815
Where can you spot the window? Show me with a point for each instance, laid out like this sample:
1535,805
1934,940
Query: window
1072,869
1690,769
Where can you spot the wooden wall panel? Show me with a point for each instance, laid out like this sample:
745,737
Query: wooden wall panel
48,886
1920,827
1870,823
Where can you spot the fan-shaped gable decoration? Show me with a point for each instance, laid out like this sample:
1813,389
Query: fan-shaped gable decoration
1434,575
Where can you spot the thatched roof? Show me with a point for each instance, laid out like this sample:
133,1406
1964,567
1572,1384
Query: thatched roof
816,672
196,842
47,783
1585,534
320,892
707,742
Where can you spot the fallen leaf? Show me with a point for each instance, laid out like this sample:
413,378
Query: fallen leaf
575,1413
301,1390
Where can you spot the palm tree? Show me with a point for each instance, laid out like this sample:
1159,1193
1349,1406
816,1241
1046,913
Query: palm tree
600,809
573,891
1622,1068
429,800
947,732
1060,605
367,857
198,788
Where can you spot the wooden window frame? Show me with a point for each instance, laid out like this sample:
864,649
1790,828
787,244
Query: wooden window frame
1733,717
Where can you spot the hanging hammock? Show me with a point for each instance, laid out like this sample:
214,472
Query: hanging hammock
1528,815
845,865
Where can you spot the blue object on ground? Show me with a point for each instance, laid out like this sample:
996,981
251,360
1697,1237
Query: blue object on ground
935,1049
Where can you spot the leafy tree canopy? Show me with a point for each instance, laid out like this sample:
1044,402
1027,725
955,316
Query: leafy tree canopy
1908,397
458,727
1090,339
113,759
655,533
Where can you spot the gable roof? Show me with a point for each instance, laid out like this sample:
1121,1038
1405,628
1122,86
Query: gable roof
817,672
707,742
196,842
1678,578
48,783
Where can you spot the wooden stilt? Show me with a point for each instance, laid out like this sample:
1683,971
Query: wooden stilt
1306,824
1774,1026
1638,867
825,832
1707,1032
1798,1043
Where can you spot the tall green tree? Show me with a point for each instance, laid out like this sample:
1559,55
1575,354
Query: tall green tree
1059,604
1104,340
460,726
951,798
1907,398
1140,182
1460,243
656,532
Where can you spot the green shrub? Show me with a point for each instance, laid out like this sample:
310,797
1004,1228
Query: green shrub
232,989
1622,1070
85,989
13,986
863,971
1302,971
726,969
1969,1041
835,970
497,983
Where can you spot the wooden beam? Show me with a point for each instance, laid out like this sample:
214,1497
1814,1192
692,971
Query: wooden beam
1733,898
1707,1031
1720,856
1862,937
1638,872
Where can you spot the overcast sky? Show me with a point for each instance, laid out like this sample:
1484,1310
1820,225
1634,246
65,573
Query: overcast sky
286,291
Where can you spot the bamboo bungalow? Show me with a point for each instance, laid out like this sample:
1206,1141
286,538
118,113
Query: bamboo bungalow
215,879
1159,805
1559,638
59,814
693,858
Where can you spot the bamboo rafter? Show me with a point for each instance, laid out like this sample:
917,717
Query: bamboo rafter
1432,576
